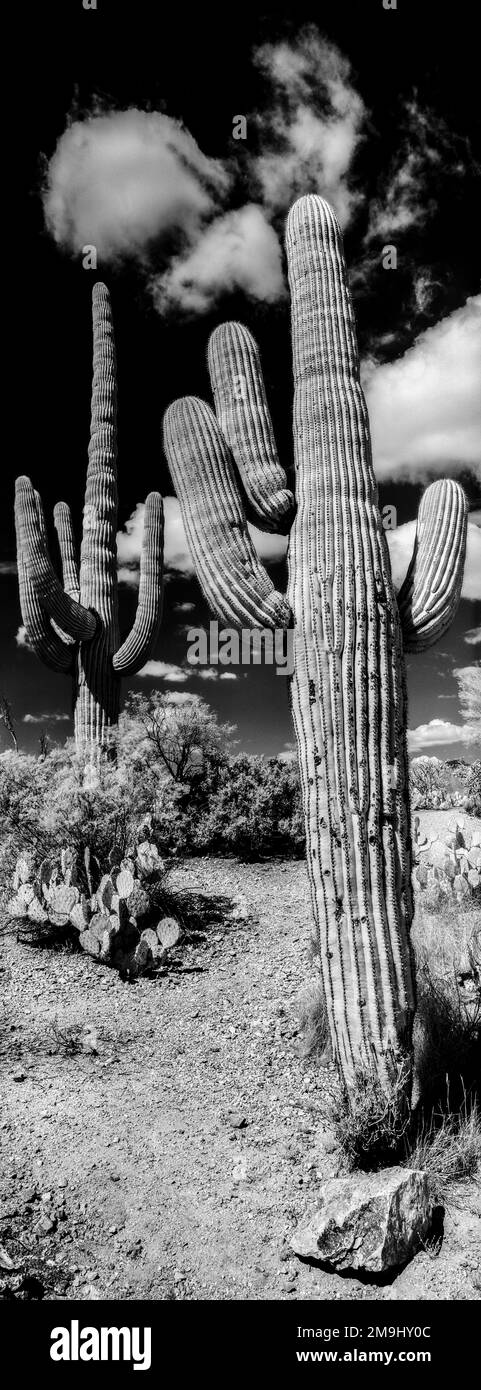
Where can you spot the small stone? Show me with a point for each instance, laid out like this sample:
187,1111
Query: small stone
89,1042
19,1075
327,1144
47,1225
236,1119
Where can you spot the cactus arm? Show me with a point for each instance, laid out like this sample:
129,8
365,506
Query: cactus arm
141,640
430,594
98,561
66,540
46,643
71,617
236,584
244,418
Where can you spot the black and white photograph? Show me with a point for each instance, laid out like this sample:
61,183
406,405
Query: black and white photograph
240,687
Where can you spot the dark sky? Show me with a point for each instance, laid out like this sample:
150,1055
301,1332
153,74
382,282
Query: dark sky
197,67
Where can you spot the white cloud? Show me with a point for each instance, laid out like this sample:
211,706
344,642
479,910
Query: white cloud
401,546
425,408
269,546
228,676
473,636
424,758
176,551
237,251
164,671
45,718
180,697
439,731
184,607
22,639
410,189
121,179
424,290
311,127
288,754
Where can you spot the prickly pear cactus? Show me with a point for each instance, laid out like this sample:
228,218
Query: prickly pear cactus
448,869
117,923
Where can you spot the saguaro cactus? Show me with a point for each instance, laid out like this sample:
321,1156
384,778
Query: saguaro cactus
74,627
348,687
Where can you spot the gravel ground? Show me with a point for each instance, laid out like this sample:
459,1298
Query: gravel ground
162,1139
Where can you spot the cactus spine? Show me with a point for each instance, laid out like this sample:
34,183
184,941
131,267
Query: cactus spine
74,627
348,688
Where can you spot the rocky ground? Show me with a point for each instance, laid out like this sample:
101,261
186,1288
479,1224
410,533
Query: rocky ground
161,1139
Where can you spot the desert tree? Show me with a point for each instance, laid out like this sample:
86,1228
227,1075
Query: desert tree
6,718
469,696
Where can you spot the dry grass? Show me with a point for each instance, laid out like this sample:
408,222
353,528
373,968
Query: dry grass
370,1123
447,1032
313,1024
447,1037
448,1148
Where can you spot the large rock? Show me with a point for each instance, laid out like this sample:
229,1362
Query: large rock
368,1221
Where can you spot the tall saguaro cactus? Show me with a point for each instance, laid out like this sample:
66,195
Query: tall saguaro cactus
74,627
348,687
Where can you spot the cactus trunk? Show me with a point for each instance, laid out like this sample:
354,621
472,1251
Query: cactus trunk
98,686
348,691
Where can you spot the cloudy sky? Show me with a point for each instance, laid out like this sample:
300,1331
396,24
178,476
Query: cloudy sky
181,181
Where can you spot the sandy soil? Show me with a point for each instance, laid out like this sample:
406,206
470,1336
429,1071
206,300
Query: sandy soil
161,1140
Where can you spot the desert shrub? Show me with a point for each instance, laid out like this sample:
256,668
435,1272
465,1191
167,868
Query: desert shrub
47,802
438,785
255,809
473,790
23,789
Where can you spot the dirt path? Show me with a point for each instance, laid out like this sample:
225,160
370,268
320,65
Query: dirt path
174,1160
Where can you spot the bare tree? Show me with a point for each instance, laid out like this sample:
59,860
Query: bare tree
182,737
469,695
44,741
6,718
